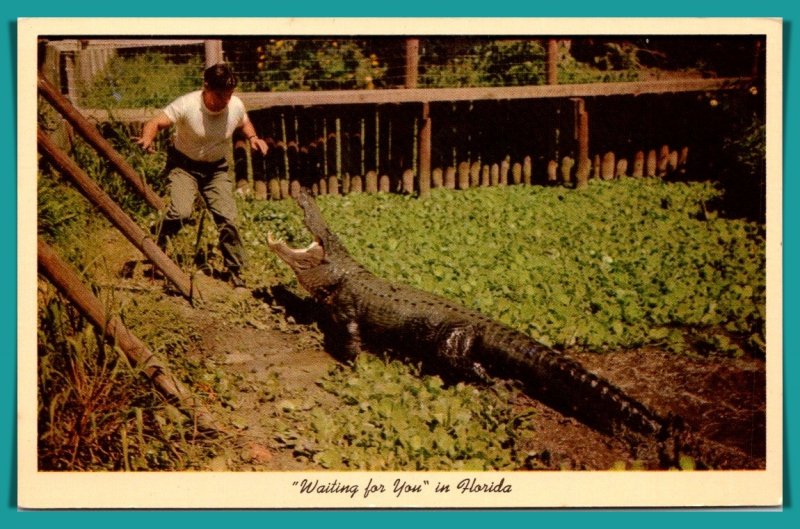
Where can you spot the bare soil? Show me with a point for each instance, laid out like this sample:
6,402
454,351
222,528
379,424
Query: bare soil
269,359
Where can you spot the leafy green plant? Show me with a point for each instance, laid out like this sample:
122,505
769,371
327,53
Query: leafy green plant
297,64
621,264
148,79
395,419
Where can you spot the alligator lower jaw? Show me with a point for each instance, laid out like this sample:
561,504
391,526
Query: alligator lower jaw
299,258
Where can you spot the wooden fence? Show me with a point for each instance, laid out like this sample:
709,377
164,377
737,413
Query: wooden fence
414,139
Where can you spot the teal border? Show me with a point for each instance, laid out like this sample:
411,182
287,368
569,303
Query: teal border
10,517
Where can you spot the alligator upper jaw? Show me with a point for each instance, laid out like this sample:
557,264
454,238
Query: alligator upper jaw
299,259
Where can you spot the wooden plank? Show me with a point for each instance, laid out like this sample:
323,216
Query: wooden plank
124,223
68,282
261,100
82,44
96,140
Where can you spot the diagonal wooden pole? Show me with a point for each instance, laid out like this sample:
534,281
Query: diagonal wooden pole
96,140
68,282
116,215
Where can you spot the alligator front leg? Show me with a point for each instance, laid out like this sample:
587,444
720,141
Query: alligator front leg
352,340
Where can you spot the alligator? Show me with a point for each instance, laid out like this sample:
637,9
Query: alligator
371,313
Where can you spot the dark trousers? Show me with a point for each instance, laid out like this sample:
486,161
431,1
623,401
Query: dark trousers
212,180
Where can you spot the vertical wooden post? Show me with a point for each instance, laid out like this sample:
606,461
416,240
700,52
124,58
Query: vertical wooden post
425,152
607,167
372,182
663,161
582,173
582,137
505,167
213,50
622,168
552,61
412,62
475,174
566,169
527,170
437,178
651,164
552,172
450,177
638,165
463,175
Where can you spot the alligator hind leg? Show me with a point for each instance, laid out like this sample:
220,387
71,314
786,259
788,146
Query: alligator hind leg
455,352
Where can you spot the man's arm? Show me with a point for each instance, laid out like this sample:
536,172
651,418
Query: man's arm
151,128
249,132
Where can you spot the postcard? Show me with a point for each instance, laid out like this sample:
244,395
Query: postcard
400,263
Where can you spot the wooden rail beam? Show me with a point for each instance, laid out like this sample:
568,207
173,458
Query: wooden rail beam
96,140
261,100
115,214
139,355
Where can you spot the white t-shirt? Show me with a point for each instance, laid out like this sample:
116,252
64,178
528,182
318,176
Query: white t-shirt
200,134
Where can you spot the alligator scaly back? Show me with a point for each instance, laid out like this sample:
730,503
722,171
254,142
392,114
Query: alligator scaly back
373,313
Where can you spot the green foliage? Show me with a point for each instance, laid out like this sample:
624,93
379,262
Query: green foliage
297,64
144,80
621,264
394,419
484,63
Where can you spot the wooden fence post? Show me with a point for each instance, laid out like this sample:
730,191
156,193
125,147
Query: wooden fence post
425,152
408,182
475,174
505,167
527,170
372,182
581,125
651,164
450,177
356,185
663,161
552,171
582,173
384,184
213,49
638,165
116,215
607,167
566,169
463,175
516,174
437,178
68,282
552,61
622,168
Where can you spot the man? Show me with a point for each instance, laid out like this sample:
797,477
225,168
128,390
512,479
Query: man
205,121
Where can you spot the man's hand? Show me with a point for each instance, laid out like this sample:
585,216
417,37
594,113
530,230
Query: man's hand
145,143
149,131
257,144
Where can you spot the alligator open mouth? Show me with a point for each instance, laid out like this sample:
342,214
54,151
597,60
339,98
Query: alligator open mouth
298,258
